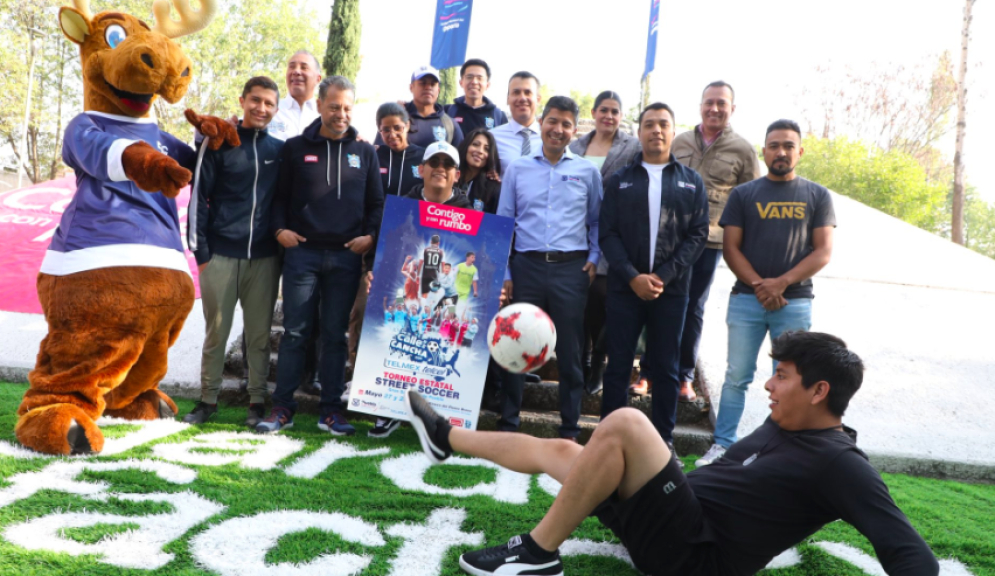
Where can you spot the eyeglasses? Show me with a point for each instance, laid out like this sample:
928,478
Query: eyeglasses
398,129
437,162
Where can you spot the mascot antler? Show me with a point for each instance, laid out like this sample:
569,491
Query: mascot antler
84,8
190,20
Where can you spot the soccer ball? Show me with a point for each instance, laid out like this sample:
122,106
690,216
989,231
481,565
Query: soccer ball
521,338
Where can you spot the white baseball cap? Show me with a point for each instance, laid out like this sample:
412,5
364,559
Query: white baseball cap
441,147
424,71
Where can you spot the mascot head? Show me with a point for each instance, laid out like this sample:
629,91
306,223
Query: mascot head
126,64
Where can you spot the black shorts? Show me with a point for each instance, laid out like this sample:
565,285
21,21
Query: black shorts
663,527
426,282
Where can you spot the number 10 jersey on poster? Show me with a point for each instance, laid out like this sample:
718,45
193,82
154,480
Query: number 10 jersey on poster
437,280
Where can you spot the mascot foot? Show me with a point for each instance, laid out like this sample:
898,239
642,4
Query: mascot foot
149,405
61,429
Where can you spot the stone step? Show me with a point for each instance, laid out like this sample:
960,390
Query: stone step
544,397
688,438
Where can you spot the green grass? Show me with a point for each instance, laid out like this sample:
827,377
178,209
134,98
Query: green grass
958,520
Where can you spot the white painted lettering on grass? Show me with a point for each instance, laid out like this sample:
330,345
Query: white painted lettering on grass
426,545
141,548
61,476
872,567
785,559
315,463
219,448
148,430
580,547
238,547
408,473
549,485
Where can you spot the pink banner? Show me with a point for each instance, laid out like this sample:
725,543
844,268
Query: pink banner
28,219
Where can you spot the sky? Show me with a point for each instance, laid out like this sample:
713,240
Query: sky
767,50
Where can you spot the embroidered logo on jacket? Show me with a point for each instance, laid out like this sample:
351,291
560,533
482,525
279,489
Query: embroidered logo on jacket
688,185
624,185
489,122
439,132
414,171
353,160
570,178
311,159
383,170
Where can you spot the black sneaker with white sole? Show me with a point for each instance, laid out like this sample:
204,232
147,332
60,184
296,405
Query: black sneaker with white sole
513,558
384,428
432,429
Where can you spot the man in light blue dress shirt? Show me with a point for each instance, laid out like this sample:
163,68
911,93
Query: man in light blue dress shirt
511,138
555,198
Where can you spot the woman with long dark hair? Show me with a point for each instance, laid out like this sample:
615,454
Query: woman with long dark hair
478,160
610,149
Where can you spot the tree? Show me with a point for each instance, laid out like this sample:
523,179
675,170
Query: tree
447,85
585,102
342,52
891,181
957,225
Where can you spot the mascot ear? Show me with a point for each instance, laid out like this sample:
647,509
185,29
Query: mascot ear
75,24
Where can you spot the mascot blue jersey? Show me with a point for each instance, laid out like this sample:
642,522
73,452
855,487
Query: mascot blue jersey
110,221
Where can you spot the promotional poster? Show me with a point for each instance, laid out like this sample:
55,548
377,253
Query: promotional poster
437,281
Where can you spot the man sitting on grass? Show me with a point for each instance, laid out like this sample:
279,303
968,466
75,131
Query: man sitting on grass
800,470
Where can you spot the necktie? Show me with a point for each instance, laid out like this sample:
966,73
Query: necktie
526,142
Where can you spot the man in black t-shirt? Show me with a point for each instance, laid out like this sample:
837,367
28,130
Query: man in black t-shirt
778,232
796,473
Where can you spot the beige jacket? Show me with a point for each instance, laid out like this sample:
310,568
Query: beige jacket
727,163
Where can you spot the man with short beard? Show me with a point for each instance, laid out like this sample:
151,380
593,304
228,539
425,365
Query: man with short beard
778,234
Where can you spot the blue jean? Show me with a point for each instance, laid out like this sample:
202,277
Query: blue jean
702,274
311,279
748,324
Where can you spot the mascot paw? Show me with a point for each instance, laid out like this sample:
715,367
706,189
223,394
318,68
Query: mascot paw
149,405
217,131
60,429
153,171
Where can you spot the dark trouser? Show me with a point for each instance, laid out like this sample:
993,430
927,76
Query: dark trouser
313,278
702,274
559,288
664,321
594,318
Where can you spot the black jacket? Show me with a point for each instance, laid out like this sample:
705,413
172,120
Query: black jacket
236,186
329,190
399,170
483,193
458,199
487,116
625,225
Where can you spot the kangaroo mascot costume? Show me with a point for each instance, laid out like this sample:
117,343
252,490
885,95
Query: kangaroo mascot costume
114,285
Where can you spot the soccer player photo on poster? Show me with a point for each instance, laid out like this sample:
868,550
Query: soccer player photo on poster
437,281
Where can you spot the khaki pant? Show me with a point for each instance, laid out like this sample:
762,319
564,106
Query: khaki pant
224,282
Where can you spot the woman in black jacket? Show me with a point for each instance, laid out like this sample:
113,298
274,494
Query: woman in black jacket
399,160
478,158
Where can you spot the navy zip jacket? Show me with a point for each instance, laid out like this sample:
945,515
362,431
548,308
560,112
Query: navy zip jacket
428,129
237,186
624,227
487,116
399,170
329,191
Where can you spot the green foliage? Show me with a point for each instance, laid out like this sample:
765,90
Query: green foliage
342,52
447,85
585,101
893,182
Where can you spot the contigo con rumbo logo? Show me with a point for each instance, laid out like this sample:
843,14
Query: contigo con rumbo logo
441,217
452,14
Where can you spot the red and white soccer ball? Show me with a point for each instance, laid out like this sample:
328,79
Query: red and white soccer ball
521,338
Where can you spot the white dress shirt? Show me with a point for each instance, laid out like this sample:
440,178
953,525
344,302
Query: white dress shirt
509,140
291,119
655,172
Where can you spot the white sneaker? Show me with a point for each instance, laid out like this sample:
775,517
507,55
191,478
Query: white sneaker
713,454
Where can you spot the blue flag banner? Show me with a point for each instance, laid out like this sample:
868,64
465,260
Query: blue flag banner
651,37
437,282
452,31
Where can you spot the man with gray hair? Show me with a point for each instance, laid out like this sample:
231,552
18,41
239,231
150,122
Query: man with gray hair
298,109
326,215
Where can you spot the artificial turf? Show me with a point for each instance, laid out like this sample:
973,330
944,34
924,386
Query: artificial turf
957,520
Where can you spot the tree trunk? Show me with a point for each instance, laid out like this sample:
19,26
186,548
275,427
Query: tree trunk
344,31
644,96
957,225
447,86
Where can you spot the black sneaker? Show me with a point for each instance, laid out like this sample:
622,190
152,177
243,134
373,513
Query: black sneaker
255,415
428,425
200,413
384,428
511,558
